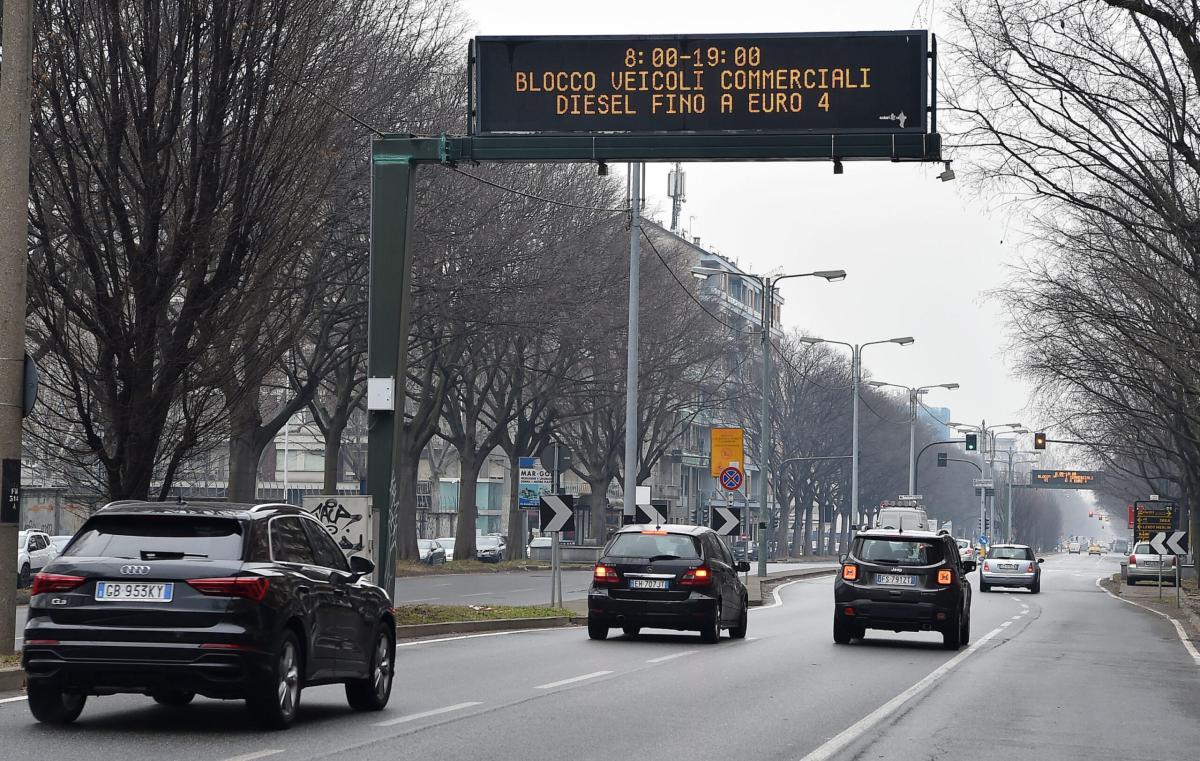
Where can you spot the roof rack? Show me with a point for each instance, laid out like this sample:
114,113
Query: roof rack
266,505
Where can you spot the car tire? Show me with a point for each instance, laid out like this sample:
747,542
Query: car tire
597,630
373,692
631,631
738,631
984,587
275,701
952,634
964,637
173,698
842,633
711,633
25,577
51,705
1037,586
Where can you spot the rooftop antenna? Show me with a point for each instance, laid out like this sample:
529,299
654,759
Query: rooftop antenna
676,187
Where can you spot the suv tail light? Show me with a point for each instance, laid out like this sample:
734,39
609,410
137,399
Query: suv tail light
54,582
247,587
696,577
1133,560
605,574
850,572
945,576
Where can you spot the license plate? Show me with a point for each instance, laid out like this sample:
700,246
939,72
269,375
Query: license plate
895,580
1008,566
134,591
648,584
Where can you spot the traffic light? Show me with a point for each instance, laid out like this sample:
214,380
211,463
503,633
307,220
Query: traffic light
1039,441
941,459
972,442
987,523
1091,514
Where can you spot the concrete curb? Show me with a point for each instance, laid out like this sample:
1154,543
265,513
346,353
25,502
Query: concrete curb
754,587
412,631
12,679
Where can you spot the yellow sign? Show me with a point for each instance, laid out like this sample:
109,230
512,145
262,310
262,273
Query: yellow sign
726,449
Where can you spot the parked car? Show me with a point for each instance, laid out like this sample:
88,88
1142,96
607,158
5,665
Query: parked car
229,601
447,543
34,552
668,577
1147,565
1011,565
60,542
431,551
489,549
903,581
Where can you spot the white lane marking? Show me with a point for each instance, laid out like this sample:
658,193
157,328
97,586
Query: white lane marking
414,643
417,599
1179,630
13,700
572,680
839,742
672,656
478,594
775,592
1006,623
255,754
426,714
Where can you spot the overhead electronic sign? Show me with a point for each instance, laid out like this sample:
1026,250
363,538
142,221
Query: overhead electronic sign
800,83
1065,479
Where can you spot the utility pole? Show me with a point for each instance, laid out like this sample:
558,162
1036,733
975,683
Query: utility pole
629,508
15,99
764,437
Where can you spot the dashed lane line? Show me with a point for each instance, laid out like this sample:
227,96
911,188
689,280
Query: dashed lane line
255,755
672,656
839,742
572,680
426,714
13,700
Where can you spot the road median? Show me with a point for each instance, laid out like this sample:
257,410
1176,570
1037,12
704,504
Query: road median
415,621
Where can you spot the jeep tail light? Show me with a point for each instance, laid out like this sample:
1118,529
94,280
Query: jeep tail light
945,576
605,574
247,587
54,582
850,572
696,577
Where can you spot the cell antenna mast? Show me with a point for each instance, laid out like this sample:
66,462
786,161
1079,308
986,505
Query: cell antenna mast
675,189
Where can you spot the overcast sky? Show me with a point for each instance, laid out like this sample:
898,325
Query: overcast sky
920,253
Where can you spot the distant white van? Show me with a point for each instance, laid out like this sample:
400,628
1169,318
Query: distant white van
902,519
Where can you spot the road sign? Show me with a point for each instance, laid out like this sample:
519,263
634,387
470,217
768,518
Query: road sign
727,449
912,497
731,479
557,513
546,455
1065,479
983,539
985,482
1152,518
827,83
1173,543
987,491
655,512
727,521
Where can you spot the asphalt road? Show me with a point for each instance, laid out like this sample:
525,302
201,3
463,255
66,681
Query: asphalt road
1067,674
513,588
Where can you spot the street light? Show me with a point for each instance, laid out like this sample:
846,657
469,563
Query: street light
913,394
767,283
987,432
856,375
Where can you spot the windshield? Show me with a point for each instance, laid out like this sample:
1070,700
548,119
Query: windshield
1011,553
899,551
149,536
642,545
487,542
964,544
425,544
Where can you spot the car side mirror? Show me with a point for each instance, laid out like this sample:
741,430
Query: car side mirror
360,566
1041,560
743,566
968,566
843,558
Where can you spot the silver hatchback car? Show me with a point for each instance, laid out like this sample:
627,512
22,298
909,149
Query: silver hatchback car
1011,565
1147,565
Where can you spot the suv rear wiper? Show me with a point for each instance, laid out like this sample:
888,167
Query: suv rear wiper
664,557
169,555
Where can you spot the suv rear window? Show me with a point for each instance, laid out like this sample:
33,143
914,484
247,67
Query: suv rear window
1010,553
899,551
631,545
149,537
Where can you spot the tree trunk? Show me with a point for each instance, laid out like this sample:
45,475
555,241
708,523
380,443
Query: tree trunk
516,534
404,522
333,454
781,530
244,421
469,465
597,525
800,528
